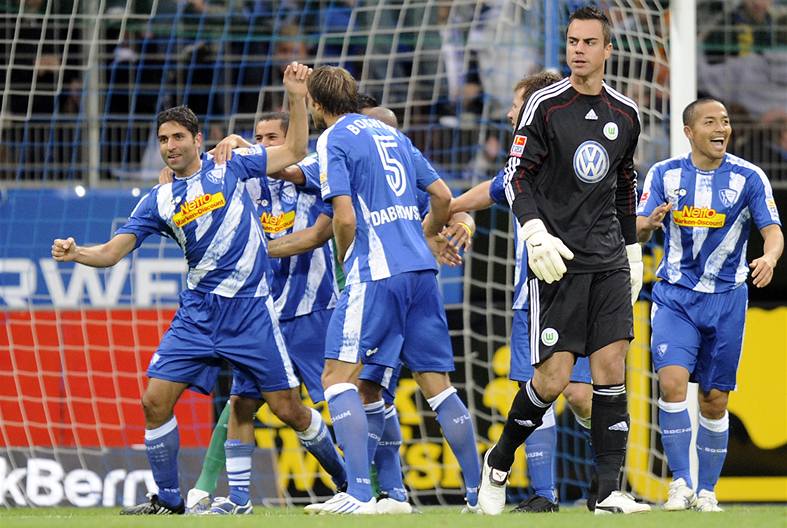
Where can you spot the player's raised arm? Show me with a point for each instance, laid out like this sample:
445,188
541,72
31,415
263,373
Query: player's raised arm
296,143
100,256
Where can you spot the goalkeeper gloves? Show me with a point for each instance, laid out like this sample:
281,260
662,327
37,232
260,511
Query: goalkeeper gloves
634,254
545,253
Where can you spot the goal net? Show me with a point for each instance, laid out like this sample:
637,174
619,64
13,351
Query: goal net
82,85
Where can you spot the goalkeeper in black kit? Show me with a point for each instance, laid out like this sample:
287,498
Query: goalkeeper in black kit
571,184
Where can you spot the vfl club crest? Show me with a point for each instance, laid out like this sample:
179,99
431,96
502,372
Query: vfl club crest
216,175
728,197
661,349
591,162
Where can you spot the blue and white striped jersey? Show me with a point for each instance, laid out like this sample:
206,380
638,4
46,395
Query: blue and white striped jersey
304,283
497,192
380,169
708,227
214,221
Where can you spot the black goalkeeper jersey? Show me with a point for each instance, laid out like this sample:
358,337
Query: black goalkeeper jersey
571,164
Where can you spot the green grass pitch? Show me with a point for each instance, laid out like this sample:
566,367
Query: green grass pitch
734,517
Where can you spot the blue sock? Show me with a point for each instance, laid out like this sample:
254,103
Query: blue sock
238,469
454,418
162,445
712,439
375,417
540,451
387,460
676,438
317,441
352,434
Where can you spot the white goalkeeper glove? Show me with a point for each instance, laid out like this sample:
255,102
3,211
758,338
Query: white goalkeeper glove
545,253
634,254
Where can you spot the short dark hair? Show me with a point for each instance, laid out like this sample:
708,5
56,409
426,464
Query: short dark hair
591,12
535,82
366,101
690,112
284,117
182,115
334,89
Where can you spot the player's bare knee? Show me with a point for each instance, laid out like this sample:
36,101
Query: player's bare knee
156,410
713,404
432,383
243,408
549,387
369,391
673,389
289,408
580,398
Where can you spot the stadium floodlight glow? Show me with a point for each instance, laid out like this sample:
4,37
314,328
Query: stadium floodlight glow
135,192
80,191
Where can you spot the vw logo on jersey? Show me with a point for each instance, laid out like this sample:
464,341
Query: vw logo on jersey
591,162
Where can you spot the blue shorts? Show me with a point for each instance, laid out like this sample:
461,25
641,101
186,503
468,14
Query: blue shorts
386,377
521,359
392,319
305,339
701,332
209,329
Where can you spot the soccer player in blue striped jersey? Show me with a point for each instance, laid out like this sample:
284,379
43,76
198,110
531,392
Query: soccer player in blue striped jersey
541,445
376,383
705,202
226,312
391,307
304,293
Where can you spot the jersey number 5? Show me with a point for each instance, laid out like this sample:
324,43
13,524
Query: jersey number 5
394,170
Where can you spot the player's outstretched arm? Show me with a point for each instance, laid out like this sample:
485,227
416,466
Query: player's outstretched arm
295,145
773,247
647,224
100,256
474,199
302,241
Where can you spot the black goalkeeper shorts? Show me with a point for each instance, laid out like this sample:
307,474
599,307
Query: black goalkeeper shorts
580,313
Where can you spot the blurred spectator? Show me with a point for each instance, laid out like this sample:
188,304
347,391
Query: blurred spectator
746,29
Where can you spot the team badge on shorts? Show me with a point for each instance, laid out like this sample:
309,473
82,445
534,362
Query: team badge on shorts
518,147
661,349
549,336
611,131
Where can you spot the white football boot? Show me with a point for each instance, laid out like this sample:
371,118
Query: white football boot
706,502
680,496
492,491
343,504
197,502
620,502
389,506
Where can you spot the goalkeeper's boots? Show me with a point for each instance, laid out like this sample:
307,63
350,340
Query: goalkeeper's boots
620,502
706,502
536,504
224,506
492,491
197,502
343,504
388,506
680,497
154,507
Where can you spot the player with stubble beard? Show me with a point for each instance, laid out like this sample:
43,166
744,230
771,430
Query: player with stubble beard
571,184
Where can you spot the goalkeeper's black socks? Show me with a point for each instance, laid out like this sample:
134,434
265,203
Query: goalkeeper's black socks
526,414
609,430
